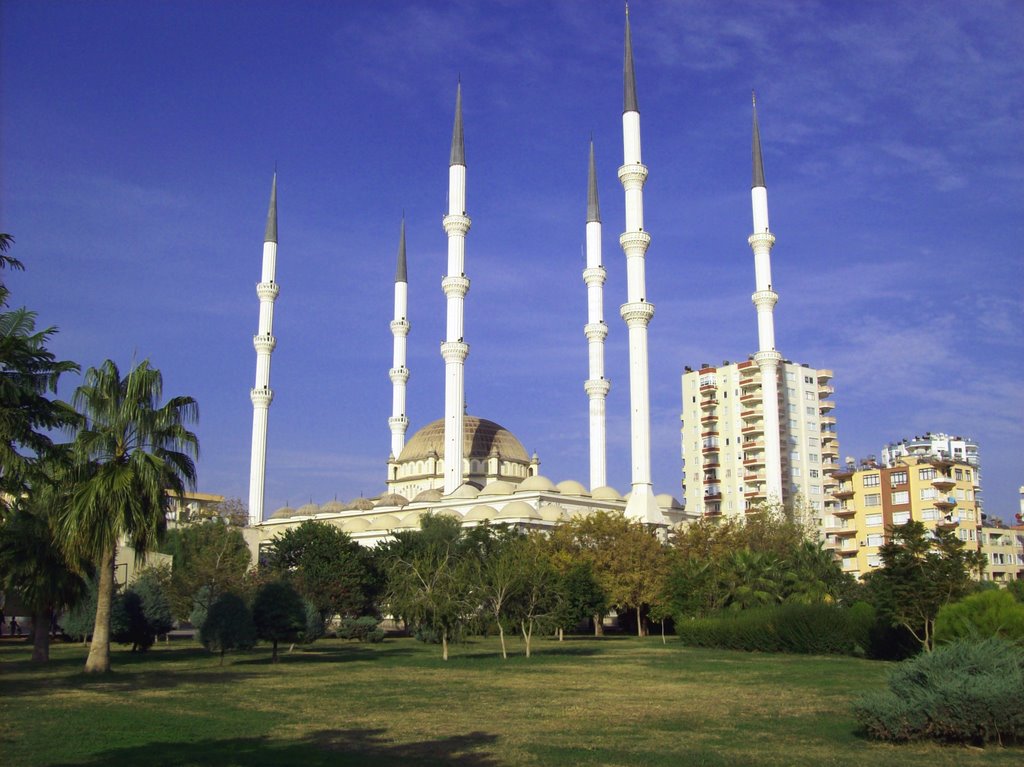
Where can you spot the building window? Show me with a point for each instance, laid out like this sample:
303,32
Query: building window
876,539
929,493
929,514
873,520
808,379
873,499
792,424
901,497
792,409
708,379
815,489
960,494
901,517
967,474
813,473
898,478
790,375
812,441
812,457
810,410
872,480
926,474
796,471
959,474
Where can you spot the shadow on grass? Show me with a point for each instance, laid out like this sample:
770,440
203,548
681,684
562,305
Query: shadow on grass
369,747
119,681
325,654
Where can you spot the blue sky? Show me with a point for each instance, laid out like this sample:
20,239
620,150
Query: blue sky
139,140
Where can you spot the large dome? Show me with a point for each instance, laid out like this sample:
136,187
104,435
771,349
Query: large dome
479,438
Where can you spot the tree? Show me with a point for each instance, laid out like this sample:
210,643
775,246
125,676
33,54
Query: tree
919,575
131,451
210,558
228,626
279,614
142,613
500,580
986,614
29,373
536,599
579,597
327,567
35,566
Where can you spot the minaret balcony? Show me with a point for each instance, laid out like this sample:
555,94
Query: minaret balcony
597,388
399,375
761,240
637,314
455,224
633,175
454,285
594,276
261,397
267,291
264,343
454,351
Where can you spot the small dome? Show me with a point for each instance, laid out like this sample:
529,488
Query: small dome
283,513
498,487
553,512
666,501
332,507
409,522
355,525
466,490
571,487
518,510
535,483
428,496
360,504
481,513
384,522
605,494
391,499
307,510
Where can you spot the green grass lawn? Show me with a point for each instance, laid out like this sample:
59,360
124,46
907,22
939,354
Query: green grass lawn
613,701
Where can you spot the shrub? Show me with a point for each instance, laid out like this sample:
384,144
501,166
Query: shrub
964,692
982,615
364,629
816,629
279,614
315,627
228,626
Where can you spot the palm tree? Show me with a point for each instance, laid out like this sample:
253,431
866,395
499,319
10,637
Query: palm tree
131,451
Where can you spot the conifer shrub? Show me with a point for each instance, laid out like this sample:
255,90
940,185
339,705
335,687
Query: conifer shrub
365,629
981,615
228,625
964,692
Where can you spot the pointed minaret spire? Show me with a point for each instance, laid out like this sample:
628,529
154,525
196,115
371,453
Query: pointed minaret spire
764,300
458,144
637,311
629,102
758,163
400,272
264,342
596,386
593,206
399,373
454,349
271,234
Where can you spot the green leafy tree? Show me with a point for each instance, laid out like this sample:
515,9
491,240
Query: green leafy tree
210,558
327,567
29,373
751,579
279,614
228,626
579,597
535,603
919,575
36,567
500,580
132,451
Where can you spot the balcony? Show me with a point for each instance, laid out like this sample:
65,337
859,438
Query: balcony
844,511
844,492
758,493
711,464
709,449
712,496
753,428
827,419
708,387
824,376
708,402
753,460
754,412
709,417
824,390
948,521
712,480
826,405
709,433
943,484
945,504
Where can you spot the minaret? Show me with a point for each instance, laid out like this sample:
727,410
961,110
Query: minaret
398,423
455,286
764,299
637,311
596,330
262,395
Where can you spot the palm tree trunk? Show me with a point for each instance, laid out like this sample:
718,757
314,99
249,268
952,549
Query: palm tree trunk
98,661
41,636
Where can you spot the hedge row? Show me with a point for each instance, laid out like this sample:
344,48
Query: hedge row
795,628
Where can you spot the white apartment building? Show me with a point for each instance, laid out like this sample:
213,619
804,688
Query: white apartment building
723,438
940,445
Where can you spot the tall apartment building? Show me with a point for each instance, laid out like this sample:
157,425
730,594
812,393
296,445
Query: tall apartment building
724,440
942,445
934,490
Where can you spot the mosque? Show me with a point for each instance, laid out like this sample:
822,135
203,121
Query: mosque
467,466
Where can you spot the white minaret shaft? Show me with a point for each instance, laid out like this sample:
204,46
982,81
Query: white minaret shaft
596,330
764,299
455,286
637,312
398,422
264,341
